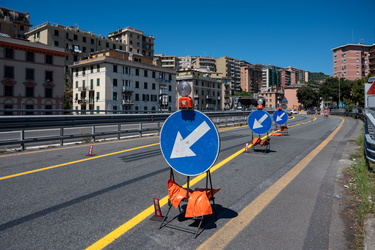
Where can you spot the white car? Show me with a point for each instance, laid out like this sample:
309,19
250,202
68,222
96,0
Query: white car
293,112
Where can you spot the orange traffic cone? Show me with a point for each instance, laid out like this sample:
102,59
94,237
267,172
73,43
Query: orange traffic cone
158,215
90,151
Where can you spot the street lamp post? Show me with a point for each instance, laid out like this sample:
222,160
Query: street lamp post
339,91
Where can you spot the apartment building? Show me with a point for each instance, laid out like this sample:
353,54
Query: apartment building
14,23
272,97
204,64
206,91
116,80
251,78
78,43
271,76
352,61
231,67
285,78
298,76
134,41
186,62
32,76
168,62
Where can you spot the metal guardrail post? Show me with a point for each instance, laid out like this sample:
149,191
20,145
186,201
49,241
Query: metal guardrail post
61,136
22,138
93,133
119,131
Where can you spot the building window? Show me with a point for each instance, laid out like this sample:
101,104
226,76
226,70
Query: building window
29,91
29,74
137,97
8,72
97,68
30,56
137,85
8,90
114,82
145,73
97,96
145,85
56,33
114,95
9,53
91,84
153,86
48,59
145,97
75,37
76,84
49,76
115,68
97,81
153,74
48,92
92,41
84,39
137,72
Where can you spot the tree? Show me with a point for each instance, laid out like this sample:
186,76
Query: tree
358,92
308,97
336,89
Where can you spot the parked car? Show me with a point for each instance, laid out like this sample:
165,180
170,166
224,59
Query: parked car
293,112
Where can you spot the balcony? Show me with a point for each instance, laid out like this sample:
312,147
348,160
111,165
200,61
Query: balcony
127,89
82,101
127,102
82,89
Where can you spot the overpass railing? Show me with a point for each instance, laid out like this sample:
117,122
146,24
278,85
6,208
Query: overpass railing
154,121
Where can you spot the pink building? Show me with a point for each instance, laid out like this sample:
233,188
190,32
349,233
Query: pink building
290,93
352,61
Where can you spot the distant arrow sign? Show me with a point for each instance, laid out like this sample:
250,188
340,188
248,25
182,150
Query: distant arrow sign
280,117
181,146
259,121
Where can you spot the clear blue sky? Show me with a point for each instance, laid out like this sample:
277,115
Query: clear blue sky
293,33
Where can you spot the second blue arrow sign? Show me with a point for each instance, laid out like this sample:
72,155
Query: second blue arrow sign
259,121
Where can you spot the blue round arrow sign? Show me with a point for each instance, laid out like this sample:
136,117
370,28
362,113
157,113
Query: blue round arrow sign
189,142
280,117
259,121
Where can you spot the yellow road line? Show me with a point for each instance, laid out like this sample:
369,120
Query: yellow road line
230,230
70,147
73,162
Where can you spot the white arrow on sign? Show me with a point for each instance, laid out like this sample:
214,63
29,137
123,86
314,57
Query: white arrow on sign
181,147
258,124
279,117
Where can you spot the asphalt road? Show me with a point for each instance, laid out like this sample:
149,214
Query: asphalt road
287,198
